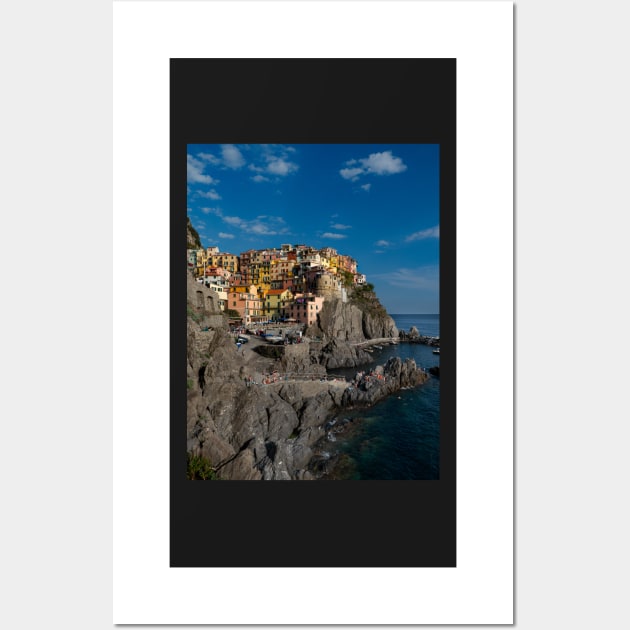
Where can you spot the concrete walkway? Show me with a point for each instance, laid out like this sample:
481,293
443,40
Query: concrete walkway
373,342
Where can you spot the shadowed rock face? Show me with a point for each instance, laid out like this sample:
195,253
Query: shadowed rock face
343,325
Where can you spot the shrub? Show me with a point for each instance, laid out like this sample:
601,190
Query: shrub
199,468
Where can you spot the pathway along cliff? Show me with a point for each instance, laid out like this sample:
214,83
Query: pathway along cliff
260,417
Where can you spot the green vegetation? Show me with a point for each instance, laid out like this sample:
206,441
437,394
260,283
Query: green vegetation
193,314
199,468
189,383
364,297
364,289
230,312
195,243
347,279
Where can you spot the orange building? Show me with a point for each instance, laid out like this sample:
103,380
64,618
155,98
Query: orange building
247,304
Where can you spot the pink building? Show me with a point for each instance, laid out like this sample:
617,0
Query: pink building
304,308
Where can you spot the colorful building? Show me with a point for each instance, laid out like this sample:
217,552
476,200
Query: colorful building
221,292
275,301
247,304
304,308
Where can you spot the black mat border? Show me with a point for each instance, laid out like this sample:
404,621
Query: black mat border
313,524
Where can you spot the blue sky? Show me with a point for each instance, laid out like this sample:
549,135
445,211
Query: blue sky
377,203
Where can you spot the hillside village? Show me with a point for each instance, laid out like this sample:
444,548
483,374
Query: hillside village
290,283
259,409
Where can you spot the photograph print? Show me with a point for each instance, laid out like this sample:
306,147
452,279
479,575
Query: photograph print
313,311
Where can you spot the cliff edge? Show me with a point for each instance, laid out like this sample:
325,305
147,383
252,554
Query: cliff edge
344,327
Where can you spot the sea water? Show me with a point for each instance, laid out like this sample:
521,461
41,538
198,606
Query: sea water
399,437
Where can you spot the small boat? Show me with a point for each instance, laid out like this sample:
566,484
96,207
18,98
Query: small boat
378,347
436,351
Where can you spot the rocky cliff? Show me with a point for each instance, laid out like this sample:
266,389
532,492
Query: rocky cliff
382,381
414,336
193,241
344,327
249,430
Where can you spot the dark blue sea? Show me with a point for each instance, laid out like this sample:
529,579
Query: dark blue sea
399,437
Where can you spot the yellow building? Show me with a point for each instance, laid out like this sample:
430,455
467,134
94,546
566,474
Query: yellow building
275,300
263,287
227,261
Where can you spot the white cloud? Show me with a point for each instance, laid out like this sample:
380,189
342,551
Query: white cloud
211,194
382,243
237,221
208,157
195,172
366,187
266,226
351,173
340,226
261,225
215,211
383,164
276,160
259,178
433,232
419,278
259,228
278,166
232,157
333,235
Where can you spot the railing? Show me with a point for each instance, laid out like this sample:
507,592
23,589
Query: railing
284,377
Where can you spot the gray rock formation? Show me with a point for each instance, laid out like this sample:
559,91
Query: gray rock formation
414,336
297,359
252,432
343,325
384,380
193,240
377,325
